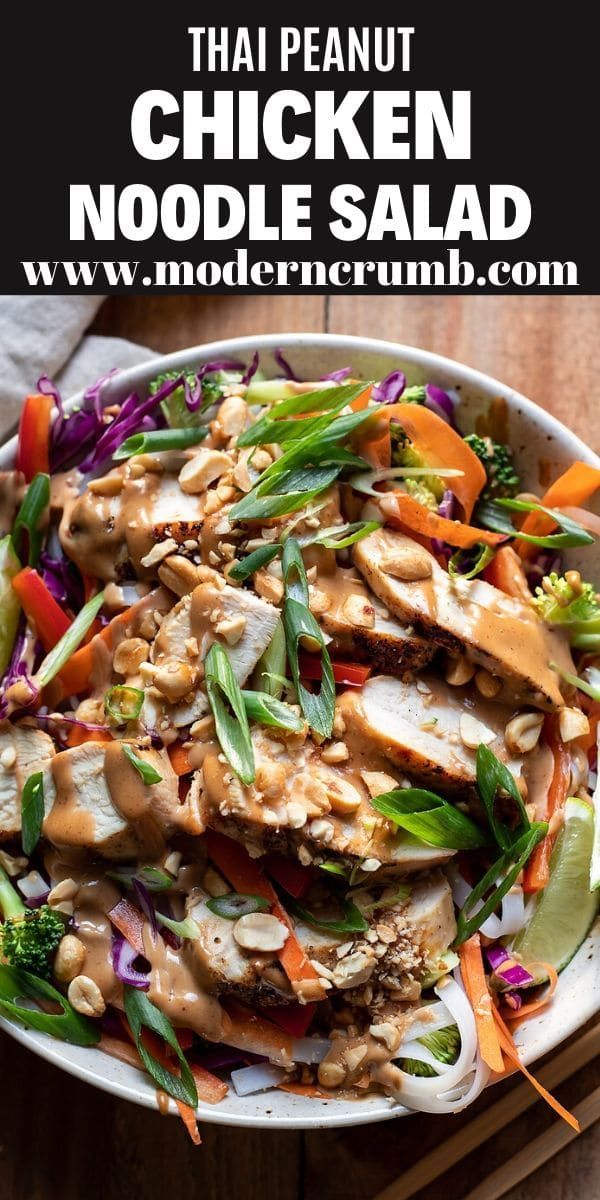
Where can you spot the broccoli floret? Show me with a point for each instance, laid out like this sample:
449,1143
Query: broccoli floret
444,1044
28,938
496,458
175,408
427,489
566,600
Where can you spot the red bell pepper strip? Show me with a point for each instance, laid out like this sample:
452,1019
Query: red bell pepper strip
290,874
33,454
40,607
537,871
294,1019
345,674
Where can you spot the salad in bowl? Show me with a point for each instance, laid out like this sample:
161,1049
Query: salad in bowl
298,721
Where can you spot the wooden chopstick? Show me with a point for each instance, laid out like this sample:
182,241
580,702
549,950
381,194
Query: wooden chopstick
487,1123
538,1152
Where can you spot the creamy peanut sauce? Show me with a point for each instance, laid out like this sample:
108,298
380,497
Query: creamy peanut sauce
310,798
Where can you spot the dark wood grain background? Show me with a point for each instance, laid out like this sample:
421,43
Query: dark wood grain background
62,1140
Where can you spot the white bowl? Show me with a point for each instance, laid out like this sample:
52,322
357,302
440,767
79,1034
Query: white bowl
534,435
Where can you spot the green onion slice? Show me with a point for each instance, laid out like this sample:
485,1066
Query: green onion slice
123,703
462,559
366,481
32,812
160,439
494,777
294,574
27,521
318,707
67,1025
142,1014
237,904
431,819
267,710
184,929
68,643
338,537
351,921
269,672
520,852
585,685
227,704
261,557
148,773
491,515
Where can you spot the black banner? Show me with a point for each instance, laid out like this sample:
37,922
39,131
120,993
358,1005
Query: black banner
452,150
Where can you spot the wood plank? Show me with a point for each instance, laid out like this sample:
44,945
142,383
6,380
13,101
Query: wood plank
173,322
544,346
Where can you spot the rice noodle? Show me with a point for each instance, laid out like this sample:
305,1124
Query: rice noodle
444,1094
512,908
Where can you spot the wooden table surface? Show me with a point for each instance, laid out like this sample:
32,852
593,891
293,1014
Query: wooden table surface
62,1139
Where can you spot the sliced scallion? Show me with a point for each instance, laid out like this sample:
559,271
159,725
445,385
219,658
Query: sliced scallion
266,710
269,673
491,514
142,1014
145,770
67,1025
520,852
156,440
231,722
351,920
431,819
32,812
236,904
184,929
61,653
463,564
493,777
261,557
29,518
300,626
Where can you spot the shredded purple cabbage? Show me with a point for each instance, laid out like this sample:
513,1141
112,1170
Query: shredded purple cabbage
223,1057
513,1000
145,902
339,375
135,415
123,960
283,364
439,402
251,369
70,720
390,389
63,580
92,395
193,392
17,668
47,388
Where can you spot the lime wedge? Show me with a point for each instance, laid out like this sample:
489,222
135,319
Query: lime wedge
9,604
566,908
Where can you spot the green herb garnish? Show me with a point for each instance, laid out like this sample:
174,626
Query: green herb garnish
228,708
32,812
142,1014
429,818
145,770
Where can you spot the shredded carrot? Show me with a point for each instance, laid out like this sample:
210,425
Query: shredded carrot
121,1050
75,675
245,874
77,736
400,508
253,1033
473,976
506,573
516,1015
210,1088
537,871
130,922
304,1089
511,1052
180,759
573,487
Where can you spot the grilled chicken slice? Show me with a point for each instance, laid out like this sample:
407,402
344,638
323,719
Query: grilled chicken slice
502,633
23,750
226,967
360,626
214,612
301,805
110,530
95,799
426,728
402,946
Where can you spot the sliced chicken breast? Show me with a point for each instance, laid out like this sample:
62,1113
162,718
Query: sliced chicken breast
108,531
402,946
96,799
301,805
502,633
361,626
426,728
214,612
23,751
